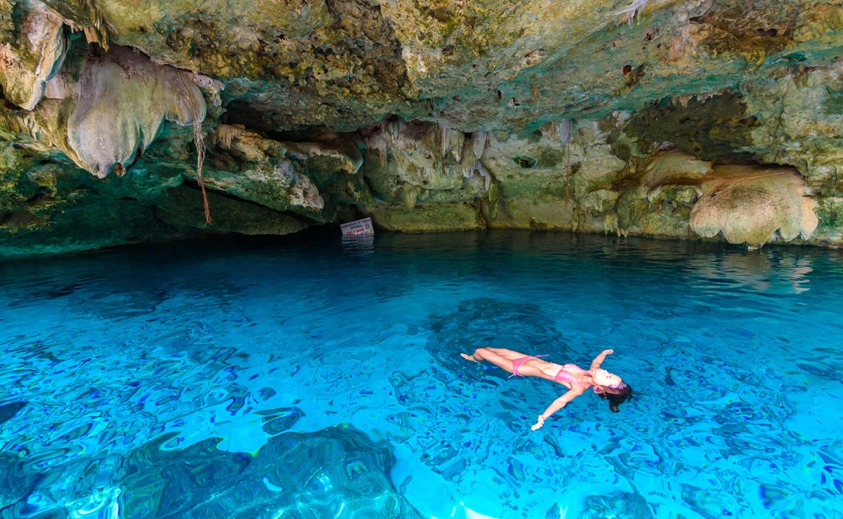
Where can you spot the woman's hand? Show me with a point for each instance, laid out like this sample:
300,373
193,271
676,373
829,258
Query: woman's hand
598,360
538,424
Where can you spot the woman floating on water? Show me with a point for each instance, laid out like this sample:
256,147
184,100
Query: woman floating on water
576,379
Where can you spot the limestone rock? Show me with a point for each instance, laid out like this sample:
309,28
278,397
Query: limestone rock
588,116
534,213
748,205
123,99
673,167
429,217
40,51
425,155
325,160
259,170
524,164
183,208
111,109
425,163
620,505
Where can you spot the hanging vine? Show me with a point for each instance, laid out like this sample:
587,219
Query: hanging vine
199,141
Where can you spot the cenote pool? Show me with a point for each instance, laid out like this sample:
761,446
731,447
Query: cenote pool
322,378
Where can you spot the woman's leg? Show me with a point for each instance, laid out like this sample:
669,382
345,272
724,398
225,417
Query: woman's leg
508,354
489,354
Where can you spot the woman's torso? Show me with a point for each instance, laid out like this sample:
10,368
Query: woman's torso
569,375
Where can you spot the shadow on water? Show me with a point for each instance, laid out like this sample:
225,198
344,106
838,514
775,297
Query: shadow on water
7,411
469,252
492,323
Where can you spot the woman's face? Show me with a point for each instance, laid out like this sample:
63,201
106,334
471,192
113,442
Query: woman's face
603,378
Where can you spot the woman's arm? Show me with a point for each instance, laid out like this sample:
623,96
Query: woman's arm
557,404
598,360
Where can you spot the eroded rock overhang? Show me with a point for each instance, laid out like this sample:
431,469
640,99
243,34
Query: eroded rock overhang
715,119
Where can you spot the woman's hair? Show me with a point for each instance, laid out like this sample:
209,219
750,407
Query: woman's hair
624,391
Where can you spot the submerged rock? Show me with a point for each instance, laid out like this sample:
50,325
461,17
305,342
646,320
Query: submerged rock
618,505
7,411
334,472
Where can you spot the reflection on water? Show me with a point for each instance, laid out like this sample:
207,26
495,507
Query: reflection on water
246,379
364,243
759,271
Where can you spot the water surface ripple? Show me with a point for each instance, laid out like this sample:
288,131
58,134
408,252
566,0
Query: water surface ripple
322,379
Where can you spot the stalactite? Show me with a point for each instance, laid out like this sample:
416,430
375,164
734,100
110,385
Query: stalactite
444,131
382,155
226,134
628,14
478,143
473,148
682,100
411,195
750,204
492,191
95,28
566,131
393,130
378,142
563,131
200,149
487,178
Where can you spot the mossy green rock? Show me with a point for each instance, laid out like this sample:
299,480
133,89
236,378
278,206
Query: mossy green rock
183,208
601,116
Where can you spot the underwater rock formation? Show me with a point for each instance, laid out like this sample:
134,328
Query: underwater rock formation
323,474
572,116
619,505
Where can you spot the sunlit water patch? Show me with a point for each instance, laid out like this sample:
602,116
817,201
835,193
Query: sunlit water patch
323,379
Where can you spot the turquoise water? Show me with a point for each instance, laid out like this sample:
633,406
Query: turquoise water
322,379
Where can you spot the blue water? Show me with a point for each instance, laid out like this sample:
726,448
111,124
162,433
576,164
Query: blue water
322,379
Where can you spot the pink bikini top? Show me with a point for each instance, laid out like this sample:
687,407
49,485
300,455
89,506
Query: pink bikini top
564,376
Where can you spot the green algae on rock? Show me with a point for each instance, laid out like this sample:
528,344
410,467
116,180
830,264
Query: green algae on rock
609,116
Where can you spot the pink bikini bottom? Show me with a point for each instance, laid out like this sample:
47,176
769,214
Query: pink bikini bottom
521,360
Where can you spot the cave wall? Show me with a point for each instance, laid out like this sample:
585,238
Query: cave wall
713,119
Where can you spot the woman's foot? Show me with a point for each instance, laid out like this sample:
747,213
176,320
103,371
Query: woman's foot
469,357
